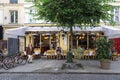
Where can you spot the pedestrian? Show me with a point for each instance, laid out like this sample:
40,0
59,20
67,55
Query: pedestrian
113,50
29,52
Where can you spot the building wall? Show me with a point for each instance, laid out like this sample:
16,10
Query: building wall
29,11
116,12
7,10
1,14
7,7
26,19
7,1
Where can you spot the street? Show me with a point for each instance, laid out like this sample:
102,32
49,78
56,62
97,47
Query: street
57,76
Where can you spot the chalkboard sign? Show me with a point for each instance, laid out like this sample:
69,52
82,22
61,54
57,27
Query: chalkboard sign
12,46
4,45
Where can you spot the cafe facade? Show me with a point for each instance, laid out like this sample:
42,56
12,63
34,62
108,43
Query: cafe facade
49,38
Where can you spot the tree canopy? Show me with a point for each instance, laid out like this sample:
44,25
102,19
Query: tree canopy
71,12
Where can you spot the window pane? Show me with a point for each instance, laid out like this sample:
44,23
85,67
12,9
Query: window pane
16,17
12,16
13,1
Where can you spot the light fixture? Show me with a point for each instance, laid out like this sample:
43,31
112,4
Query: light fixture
34,34
56,34
63,35
83,34
45,37
97,34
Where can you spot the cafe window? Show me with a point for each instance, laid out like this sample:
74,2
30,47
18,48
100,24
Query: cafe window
80,40
36,40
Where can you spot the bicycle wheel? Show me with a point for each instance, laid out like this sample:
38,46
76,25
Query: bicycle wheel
5,66
0,64
16,59
22,60
8,61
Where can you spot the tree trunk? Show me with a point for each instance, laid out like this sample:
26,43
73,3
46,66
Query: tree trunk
71,37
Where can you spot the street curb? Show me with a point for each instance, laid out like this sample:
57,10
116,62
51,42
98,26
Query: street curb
102,73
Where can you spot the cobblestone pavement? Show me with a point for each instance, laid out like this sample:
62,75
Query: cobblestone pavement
44,65
39,76
37,64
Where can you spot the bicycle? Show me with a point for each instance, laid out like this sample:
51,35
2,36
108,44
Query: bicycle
3,62
19,59
11,61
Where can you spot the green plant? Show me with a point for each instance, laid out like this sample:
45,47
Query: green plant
103,48
78,53
69,56
84,13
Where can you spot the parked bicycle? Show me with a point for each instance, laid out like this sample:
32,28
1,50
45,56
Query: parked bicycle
19,59
11,61
3,62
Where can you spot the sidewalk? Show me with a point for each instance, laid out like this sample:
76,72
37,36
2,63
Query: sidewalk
54,66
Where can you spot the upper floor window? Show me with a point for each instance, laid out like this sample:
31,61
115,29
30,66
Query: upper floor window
13,1
117,15
117,18
29,0
13,16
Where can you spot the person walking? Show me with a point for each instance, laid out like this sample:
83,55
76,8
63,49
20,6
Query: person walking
30,51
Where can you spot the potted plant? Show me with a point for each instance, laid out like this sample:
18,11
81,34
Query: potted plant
78,53
103,52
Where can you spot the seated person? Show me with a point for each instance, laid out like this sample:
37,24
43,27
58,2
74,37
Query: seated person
114,52
58,51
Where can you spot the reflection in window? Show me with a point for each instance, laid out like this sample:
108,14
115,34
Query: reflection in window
116,18
115,13
36,40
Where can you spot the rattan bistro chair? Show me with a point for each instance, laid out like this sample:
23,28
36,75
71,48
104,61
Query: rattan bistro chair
50,54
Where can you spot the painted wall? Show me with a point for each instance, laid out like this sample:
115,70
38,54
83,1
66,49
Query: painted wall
7,1
63,41
1,14
20,14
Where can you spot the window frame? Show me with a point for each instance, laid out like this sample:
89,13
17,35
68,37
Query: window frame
13,16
